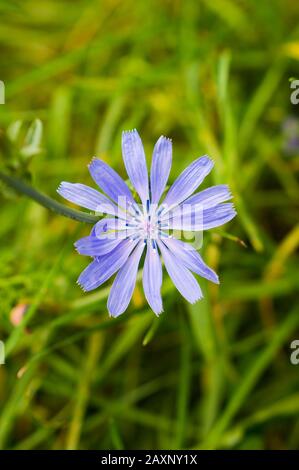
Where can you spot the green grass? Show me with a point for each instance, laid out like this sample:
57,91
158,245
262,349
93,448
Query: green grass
213,76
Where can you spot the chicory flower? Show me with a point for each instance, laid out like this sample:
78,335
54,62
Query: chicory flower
130,228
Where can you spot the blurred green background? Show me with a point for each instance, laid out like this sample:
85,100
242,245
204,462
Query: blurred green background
215,77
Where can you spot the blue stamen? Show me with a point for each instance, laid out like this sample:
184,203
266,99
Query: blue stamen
160,210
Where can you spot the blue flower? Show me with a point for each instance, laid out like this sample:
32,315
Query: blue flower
117,242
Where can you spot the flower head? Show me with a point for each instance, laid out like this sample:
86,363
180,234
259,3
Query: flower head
117,242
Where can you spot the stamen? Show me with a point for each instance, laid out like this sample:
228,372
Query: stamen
160,210
136,209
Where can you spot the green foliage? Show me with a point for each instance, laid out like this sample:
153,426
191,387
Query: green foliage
213,76
18,145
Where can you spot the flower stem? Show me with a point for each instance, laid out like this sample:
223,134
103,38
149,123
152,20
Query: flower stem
46,201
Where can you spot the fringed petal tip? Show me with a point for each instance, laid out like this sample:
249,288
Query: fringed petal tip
229,194
92,164
169,139
64,185
129,131
158,312
233,210
111,314
80,285
83,288
115,314
194,301
93,159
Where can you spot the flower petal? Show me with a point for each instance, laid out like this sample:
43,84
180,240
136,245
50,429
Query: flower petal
197,219
182,278
87,197
134,159
161,164
207,198
110,181
211,196
124,283
219,215
105,266
112,228
92,246
191,258
152,279
188,181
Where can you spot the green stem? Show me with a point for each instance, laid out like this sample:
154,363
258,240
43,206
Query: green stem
46,201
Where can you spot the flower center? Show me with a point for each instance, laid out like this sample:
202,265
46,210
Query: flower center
148,226
146,222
